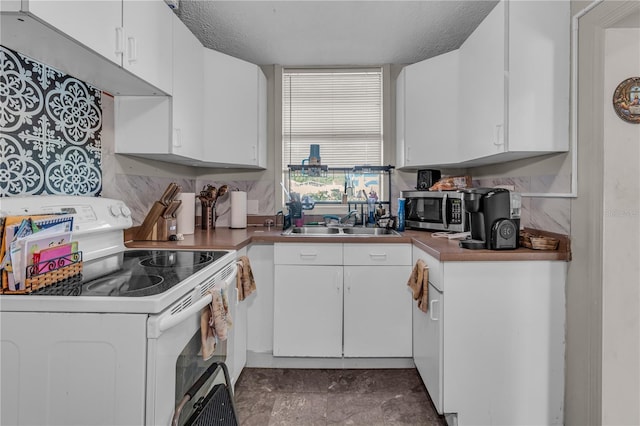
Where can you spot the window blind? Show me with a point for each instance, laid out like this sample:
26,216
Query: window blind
341,110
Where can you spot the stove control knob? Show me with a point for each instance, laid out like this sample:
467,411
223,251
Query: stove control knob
125,211
114,210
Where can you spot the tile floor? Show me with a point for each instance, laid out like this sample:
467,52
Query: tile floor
303,397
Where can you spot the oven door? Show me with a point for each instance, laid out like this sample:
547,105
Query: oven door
173,347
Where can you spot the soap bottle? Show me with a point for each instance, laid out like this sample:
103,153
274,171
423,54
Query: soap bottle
400,226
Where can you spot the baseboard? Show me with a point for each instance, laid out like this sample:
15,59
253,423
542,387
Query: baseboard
267,360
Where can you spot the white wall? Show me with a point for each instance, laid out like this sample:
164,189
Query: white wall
620,242
596,390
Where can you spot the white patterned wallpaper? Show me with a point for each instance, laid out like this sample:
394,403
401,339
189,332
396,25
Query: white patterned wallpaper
50,127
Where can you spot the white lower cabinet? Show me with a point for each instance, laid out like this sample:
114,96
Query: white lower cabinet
377,312
492,351
307,311
334,300
428,330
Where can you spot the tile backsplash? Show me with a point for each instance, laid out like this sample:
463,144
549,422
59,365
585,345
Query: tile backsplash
50,125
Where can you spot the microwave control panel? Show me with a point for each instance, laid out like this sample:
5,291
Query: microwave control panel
456,211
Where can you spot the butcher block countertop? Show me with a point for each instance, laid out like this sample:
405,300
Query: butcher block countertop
440,248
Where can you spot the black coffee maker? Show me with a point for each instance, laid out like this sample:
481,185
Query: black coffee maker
494,218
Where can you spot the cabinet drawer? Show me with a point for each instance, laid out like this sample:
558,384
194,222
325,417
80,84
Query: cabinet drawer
377,254
307,254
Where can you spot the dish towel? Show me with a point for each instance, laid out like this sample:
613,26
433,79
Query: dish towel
419,284
214,322
244,281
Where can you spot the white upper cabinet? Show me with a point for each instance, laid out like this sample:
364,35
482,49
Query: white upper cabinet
96,41
161,127
509,99
146,42
88,22
234,122
216,116
188,97
539,76
481,103
427,124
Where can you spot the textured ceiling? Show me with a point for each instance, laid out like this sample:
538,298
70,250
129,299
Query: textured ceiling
333,32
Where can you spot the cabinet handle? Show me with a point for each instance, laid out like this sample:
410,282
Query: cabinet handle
338,282
407,156
445,199
255,153
177,138
119,41
499,136
433,302
378,255
132,50
303,254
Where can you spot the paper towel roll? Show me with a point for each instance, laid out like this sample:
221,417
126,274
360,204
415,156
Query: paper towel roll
186,212
238,209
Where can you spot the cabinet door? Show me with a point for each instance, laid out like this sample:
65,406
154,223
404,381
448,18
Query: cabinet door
432,118
539,52
231,110
262,119
400,115
187,92
504,342
377,311
148,41
307,311
481,108
91,23
142,125
428,345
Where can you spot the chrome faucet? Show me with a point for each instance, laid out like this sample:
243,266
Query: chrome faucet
349,218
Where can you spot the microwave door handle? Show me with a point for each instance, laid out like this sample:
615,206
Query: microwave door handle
444,211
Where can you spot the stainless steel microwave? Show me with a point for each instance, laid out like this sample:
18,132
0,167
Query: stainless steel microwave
435,210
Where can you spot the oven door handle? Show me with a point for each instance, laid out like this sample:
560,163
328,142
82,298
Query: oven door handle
166,322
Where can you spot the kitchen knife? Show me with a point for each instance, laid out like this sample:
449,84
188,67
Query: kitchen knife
174,193
150,220
164,199
171,209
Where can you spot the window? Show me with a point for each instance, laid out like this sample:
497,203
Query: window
341,112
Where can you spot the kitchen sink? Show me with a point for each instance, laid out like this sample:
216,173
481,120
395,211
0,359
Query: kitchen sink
369,231
322,231
311,230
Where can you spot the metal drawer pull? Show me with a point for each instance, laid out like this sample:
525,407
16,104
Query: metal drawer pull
382,255
303,254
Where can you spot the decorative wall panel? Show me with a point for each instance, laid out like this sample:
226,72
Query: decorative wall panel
50,126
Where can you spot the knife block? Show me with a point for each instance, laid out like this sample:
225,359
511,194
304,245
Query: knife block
167,226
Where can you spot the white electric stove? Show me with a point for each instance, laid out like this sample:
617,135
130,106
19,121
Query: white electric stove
117,345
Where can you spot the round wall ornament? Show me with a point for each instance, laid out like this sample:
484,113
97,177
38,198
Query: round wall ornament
626,100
